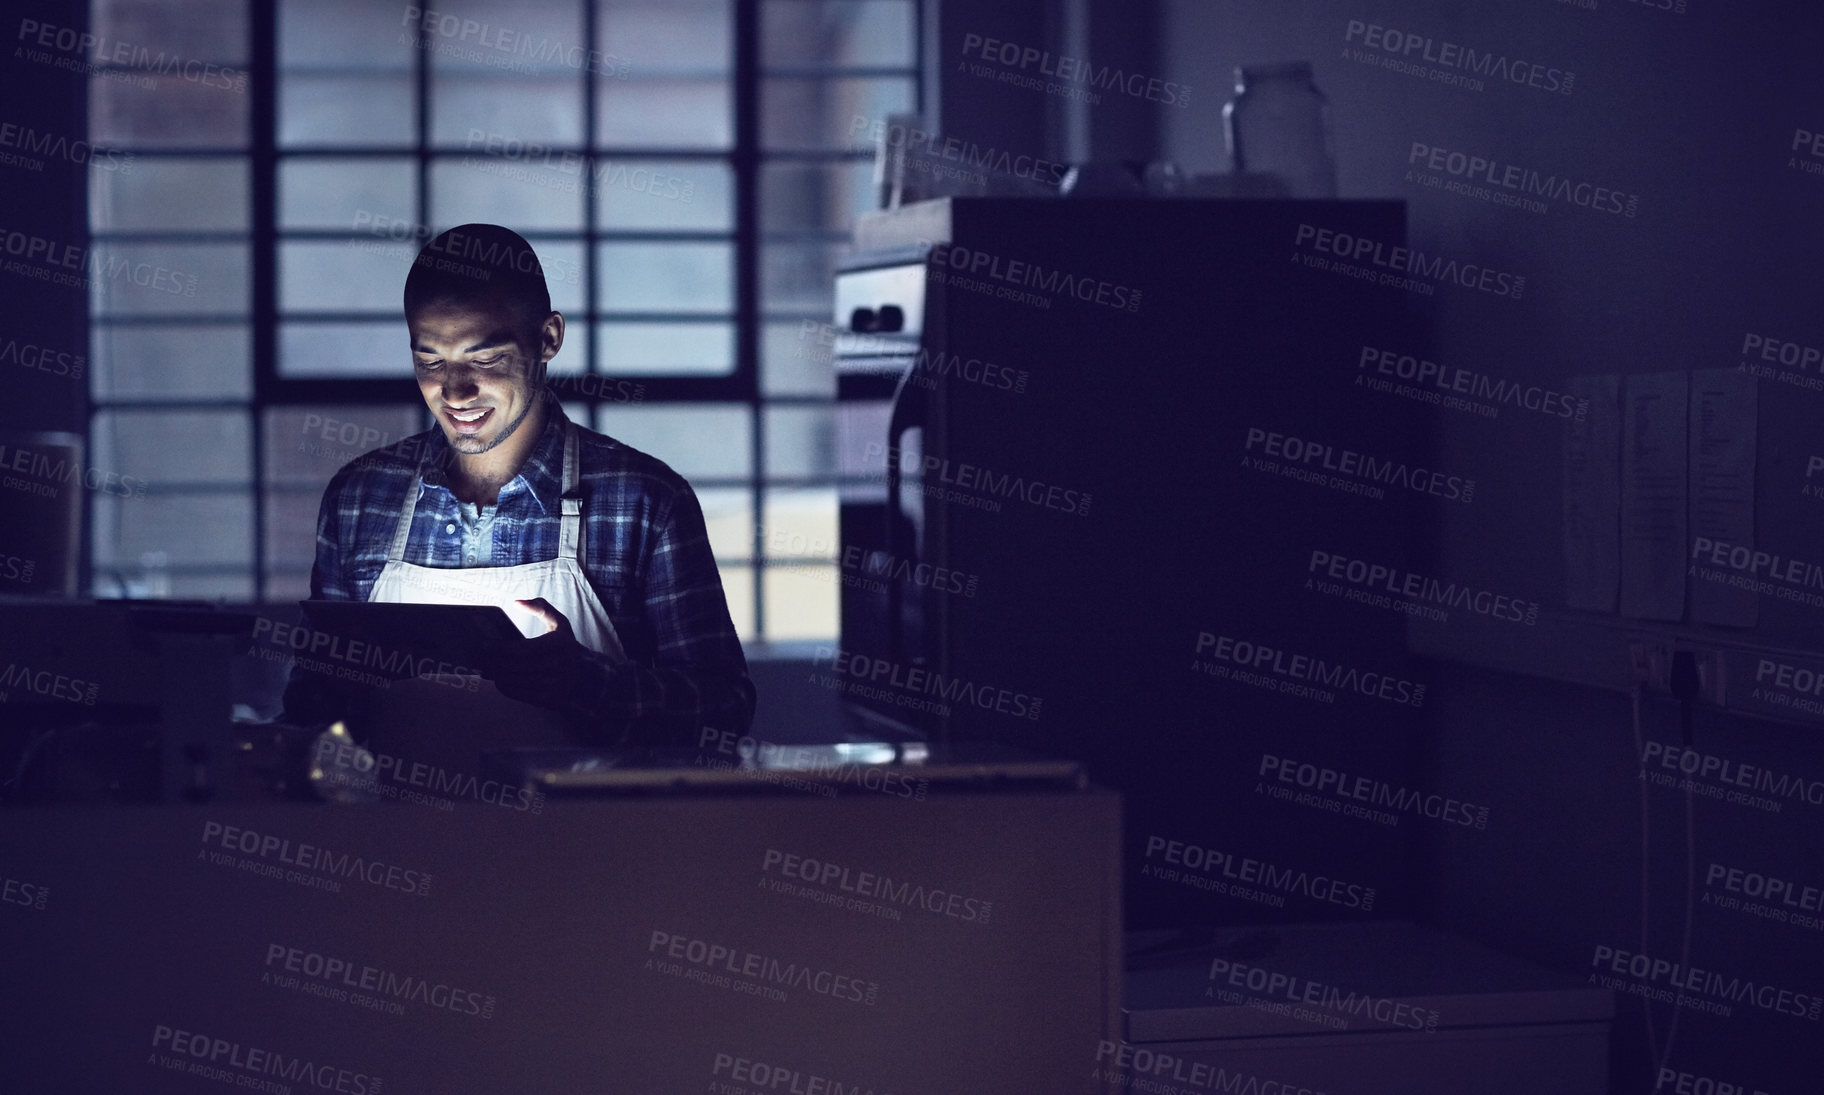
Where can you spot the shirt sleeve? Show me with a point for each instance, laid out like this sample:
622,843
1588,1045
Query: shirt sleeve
328,581
698,674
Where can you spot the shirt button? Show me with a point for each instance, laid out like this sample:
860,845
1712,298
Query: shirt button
450,527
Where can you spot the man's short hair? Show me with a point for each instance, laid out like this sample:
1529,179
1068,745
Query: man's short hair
471,261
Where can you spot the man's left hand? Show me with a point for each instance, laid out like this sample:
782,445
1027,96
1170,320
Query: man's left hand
543,670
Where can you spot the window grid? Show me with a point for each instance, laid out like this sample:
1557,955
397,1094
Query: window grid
748,157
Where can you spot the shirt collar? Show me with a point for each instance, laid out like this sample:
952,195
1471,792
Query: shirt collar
542,474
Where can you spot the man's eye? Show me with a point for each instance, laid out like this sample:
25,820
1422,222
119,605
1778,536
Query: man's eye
430,365
484,363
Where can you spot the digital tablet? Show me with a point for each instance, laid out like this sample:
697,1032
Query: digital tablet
410,640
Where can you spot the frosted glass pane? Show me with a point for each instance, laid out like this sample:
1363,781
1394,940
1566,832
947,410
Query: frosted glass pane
174,113
165,447
168,278
666,277
838,33
166,193
691,349
349,349
547,110
345,110
666,36
362,275
664,113
524,193
172,362
369,196
707,439
663,194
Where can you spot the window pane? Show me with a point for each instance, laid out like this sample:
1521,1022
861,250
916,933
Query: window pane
174,447
346,110
797,358
287,585
665,194
800,525
128,528
697,439
738,590
817,197
663,113
291,530
468,107
306,445
199,30
345,33
802,591
160,192
373,196
512,37
521,191
666,36
688,349
798,277
212,587
175,113
562,262
838,33
366,275
820,114
728,514
168,278
800,442
172,362
802,603
348,349
666,277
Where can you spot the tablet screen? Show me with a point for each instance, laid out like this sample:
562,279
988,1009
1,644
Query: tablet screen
409,640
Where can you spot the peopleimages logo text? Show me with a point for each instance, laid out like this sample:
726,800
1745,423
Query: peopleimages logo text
349,974
1032,275
1601,199
1308,669
206,1056
96,50
52,146
1406,260
1458,380
1404,45
1075,70
925,682
1709,983
1374,469
1397,582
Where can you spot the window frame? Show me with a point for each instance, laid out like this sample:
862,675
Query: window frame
747,159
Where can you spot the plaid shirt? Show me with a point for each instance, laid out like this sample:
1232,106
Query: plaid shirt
644,551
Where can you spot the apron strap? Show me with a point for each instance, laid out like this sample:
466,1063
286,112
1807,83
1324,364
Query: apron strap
570,534
396,553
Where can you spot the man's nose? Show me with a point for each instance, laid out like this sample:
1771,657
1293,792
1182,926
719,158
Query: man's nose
459,383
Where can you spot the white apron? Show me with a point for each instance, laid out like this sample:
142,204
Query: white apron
450,720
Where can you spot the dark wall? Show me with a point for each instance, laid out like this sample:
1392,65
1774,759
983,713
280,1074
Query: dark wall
1692,113
46,207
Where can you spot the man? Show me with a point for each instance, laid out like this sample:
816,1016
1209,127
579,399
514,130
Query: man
506,501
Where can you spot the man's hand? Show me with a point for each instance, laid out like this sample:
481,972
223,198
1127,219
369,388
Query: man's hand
543,670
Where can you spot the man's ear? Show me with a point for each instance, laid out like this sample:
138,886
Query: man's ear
550,339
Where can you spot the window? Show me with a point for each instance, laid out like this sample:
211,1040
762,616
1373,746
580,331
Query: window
688,171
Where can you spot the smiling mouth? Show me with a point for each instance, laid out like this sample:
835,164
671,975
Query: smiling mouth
468,421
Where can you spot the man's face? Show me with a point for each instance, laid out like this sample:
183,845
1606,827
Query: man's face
480,369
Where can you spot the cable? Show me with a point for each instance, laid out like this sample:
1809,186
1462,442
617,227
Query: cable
1646,859
1685,685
